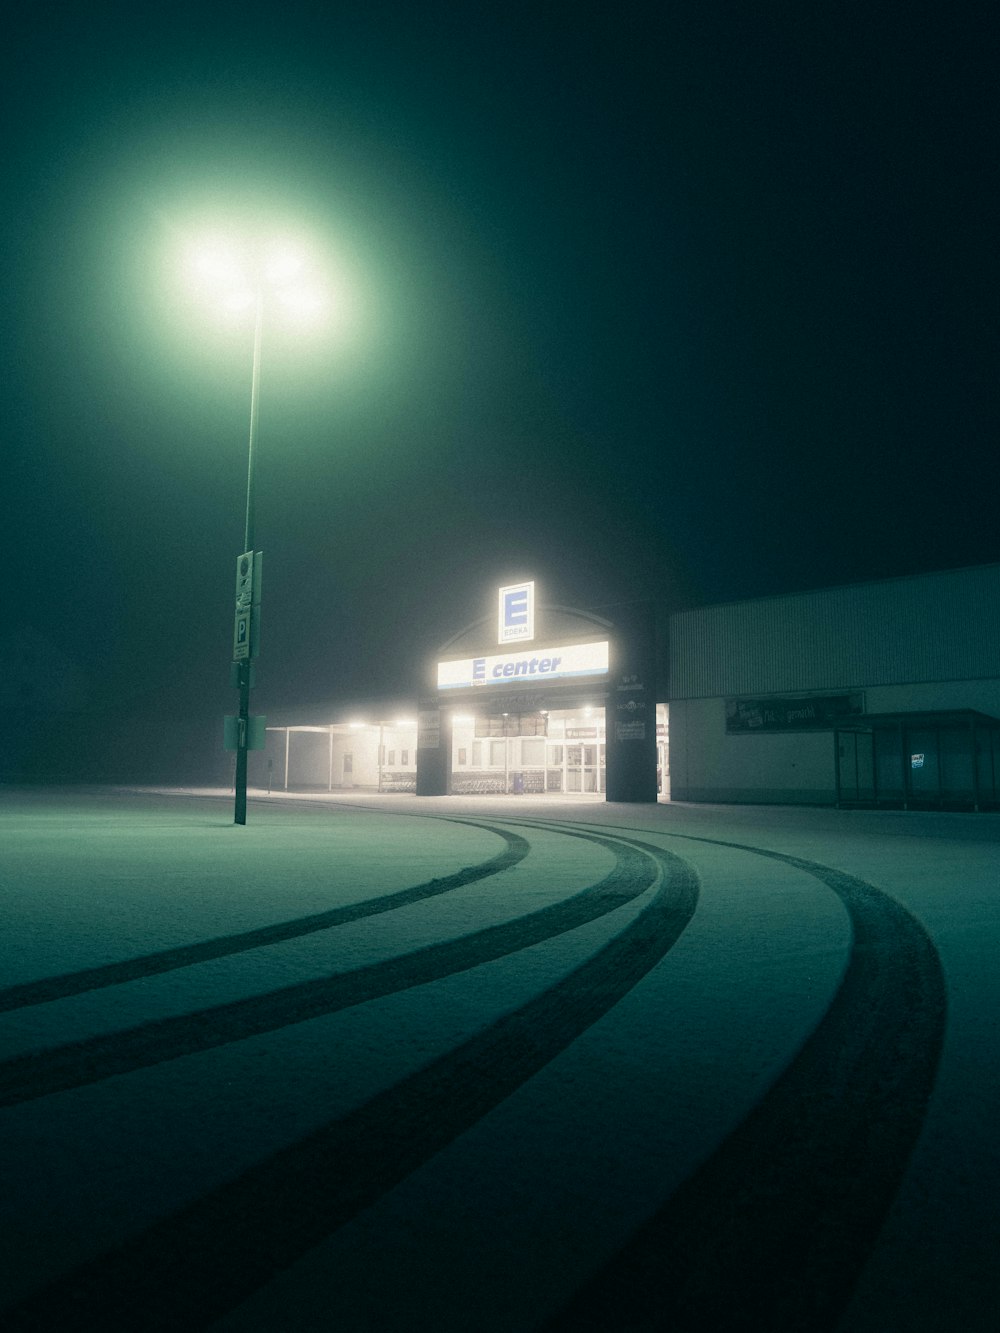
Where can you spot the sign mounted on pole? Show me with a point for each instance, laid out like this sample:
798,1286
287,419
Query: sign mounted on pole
241,635
244,578
246,626
252,730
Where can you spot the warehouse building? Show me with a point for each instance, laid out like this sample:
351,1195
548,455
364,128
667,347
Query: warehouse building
875,694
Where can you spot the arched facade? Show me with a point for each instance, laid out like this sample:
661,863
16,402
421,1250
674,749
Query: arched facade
573,689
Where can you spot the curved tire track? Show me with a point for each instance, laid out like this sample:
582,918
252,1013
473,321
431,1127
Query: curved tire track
91,1059
774,1229
223,946
204,1260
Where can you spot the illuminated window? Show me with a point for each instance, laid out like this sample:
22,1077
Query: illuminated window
392,757
498,753
477,754
533,752
462,756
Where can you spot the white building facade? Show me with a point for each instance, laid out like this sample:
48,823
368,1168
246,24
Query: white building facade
883,693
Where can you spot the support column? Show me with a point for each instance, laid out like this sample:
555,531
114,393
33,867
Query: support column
434,733
630,710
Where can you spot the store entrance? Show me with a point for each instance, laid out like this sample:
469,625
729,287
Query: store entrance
546,750
583,768
582,730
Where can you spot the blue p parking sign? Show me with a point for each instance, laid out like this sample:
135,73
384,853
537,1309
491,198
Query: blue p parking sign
241,635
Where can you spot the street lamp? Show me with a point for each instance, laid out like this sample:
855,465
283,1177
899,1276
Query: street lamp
244,666
238,280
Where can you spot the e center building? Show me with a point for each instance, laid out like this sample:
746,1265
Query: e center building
882,694
535,698
528,699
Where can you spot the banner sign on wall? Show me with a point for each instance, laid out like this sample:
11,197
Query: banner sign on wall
817,713
428,729
511,724
539,665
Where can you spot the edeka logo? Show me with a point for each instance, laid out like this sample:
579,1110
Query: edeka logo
544,664
517,613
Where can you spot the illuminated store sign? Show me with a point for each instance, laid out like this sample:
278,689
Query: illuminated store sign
537,665
517,613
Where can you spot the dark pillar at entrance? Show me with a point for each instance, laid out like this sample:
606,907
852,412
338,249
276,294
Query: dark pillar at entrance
630,714
433,750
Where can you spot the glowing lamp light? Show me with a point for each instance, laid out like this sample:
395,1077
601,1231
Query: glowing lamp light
301,304
234,277
281,265
214,263
235,302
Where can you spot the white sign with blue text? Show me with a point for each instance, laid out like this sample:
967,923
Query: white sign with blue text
537,665
517,613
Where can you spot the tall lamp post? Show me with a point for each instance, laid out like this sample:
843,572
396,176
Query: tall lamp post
239,282
244,665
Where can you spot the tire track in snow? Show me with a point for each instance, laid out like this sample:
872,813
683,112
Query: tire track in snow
223,946
200,1262
774,1229
91,1059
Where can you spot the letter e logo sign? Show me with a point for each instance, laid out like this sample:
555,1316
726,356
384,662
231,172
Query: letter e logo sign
517,613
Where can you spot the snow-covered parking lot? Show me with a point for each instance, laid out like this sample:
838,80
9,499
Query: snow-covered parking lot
388,1063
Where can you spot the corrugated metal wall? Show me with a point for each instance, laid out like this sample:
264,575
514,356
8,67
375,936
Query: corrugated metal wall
933,627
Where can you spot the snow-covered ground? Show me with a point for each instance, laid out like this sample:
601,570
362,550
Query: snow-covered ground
496,1064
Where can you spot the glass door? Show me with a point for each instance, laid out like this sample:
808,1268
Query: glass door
582,773
589,767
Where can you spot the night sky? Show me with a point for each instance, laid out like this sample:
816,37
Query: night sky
691,302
